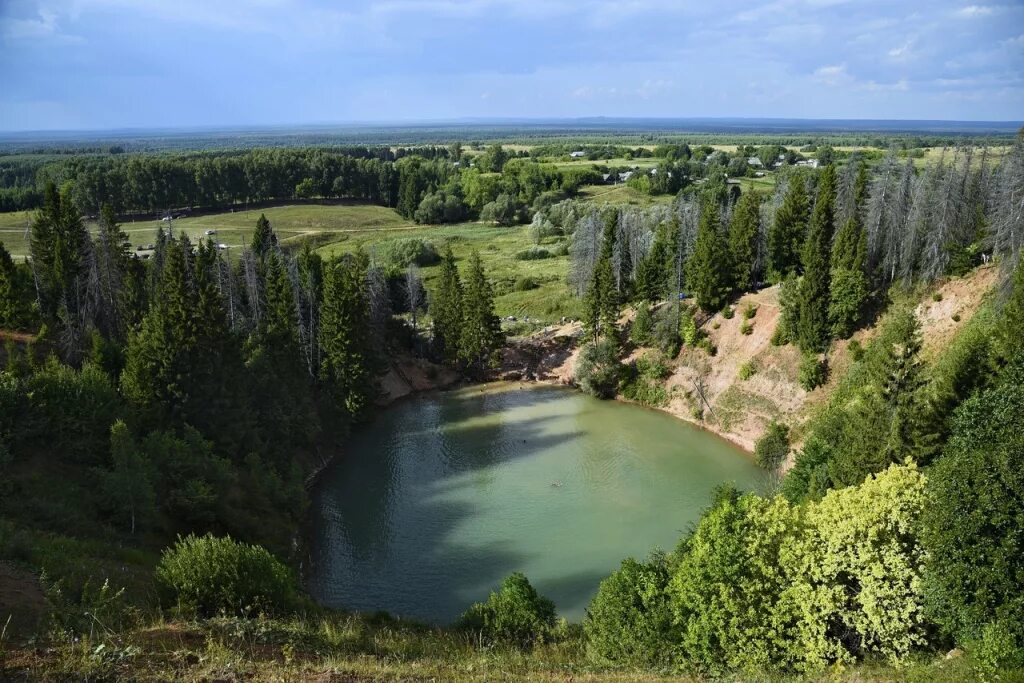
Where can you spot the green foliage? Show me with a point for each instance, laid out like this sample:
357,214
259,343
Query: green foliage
401,253
481,330
348,364
728,587
813,371
786,234
525,283
446,308
642,329
786,329
534,253
211,575
813,328
849,293
746,328
743,239
598,370
516,614
974,516
128,486
644,381
666,335
747,370
772,448
14,294
708,270
749,311
629,620
859,590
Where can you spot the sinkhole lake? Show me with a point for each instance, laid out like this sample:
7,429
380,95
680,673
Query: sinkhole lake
443,496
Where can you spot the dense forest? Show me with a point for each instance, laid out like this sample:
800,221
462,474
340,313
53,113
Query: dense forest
192,394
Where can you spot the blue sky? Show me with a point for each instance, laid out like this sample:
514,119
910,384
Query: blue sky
93,64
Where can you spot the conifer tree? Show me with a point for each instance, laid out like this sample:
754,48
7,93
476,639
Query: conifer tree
345,341
263,239
481,329
708,270
113,263
446,309
813,329
743,234
653,272
849,291
601,301
786,235
14,308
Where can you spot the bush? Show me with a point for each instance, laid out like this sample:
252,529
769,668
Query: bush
856,350
813,371
773,447
749,311
747,370
645,384
211,575
404,252
666,331
728,312
643,325
516,614
746,328
629,621
937,296
525,283
534,253
599,371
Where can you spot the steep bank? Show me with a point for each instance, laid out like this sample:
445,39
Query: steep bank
711,392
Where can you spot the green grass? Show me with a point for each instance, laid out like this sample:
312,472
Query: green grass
497,247
621,194
642,162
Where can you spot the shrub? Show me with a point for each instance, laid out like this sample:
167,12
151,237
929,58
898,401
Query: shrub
747,370
728,312
666,331
525,283
533,253
402,253
937,296
813,371
629,621
643,325
645,382
599,371
749,311
211,575
516,614
973,517
561,249
856,350
773,447
746,328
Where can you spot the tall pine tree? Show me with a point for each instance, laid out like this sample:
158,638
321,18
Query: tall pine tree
849,278
786,235
743,234
347,366
446,309
709,269
481,329
813,329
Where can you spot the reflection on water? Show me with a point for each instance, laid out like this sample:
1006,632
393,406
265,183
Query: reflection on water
443,496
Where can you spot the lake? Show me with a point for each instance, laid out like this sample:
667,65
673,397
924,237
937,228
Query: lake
444,495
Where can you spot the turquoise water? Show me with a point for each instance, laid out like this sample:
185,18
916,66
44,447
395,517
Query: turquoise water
443,496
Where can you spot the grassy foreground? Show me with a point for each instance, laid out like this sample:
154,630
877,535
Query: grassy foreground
355,648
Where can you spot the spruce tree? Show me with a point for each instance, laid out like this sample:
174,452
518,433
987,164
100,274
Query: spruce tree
14,306
653,271
708,270
743,234
786,235
345,341
601,301
481,329
263,238
849,291
113,261
446,309
813,329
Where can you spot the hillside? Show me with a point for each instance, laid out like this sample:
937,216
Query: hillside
740,409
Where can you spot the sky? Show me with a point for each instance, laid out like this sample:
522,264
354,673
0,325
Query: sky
108,64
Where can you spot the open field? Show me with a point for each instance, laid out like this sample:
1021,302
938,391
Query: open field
621,194
617,162
497,246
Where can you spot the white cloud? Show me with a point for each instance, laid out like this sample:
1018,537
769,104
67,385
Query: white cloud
972,11
832,74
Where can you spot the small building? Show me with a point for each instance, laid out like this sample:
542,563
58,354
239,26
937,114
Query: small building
754,161
578,154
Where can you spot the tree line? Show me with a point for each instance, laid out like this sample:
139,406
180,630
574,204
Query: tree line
188,392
